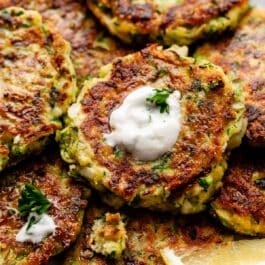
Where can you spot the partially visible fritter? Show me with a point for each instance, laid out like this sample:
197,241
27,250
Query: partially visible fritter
37,83
170,22
92,47
242,56
67,202
108,235
241,202
148,236
186,175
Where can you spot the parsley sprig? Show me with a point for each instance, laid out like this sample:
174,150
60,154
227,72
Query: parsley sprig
32,201
159,99
32,221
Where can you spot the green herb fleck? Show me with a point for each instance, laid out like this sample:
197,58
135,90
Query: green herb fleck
260,183
205,183
162,163
32,201
162,72
160,99
17,151
118,153
215,84
19,13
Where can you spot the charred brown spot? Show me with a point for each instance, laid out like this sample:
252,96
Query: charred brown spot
136,12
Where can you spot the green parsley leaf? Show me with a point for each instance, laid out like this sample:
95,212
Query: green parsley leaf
32,221
205,183
160,99
32,201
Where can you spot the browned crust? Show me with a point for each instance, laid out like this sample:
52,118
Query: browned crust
74,22
195,13
240,195
68,202
28,92
148,234
147,18
191,155
242,56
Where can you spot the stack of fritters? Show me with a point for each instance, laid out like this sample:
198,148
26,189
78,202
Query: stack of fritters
61,77
240,204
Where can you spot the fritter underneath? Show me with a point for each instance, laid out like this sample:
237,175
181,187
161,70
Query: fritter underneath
47,173
242,56
92,47
184,178
241,202
37,83
170,22
148,234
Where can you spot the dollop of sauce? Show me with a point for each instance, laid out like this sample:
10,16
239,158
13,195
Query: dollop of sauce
37,232
139,127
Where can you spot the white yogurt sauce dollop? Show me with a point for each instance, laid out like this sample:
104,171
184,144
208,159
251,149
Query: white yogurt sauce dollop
37,232
140,128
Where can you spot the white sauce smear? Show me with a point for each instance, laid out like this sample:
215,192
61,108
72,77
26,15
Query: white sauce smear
140,128
37,232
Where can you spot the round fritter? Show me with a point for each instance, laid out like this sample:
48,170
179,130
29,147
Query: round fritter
242,56
46,173
241,202
182,179
181,22
92,47
37,83
147,235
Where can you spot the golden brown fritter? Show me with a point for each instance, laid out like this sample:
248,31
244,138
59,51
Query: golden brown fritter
147,235
171,182
37,83
242,56
169,22
92,47
49,175
241,202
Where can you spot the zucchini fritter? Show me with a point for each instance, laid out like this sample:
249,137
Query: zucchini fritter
184,178
92,47
47,173
170,22
147,235
242,56
37,83
241,203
